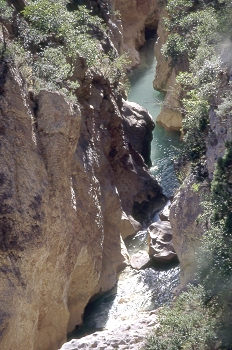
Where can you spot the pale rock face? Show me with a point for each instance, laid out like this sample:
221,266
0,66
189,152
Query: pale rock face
163,68
186,229
60,207
165,80
170,116
128,226
140,260
135,16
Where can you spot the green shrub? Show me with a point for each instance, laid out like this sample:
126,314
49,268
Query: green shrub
187,324
71,29
6,10
51,38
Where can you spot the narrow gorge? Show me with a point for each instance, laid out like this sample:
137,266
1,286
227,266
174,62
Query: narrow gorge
76,171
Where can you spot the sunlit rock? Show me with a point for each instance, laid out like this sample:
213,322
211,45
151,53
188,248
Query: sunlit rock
160,242
140,260
129,334
128,225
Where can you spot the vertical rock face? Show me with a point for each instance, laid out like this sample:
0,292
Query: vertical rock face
67,174
170,116
136,15
186,208
186,229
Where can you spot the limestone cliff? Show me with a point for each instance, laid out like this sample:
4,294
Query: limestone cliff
170,116
186,207
136,16
69,177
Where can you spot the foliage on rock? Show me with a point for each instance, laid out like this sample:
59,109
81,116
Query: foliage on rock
195,35
187,324
52,37
197,30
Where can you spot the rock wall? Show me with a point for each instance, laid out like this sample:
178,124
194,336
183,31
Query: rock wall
170,116
186,229
186,207
69,175
128,23
135,16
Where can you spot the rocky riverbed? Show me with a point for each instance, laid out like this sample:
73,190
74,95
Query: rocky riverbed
129,335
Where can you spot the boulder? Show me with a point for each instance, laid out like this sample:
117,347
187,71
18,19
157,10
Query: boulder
160,242
138,126
140,260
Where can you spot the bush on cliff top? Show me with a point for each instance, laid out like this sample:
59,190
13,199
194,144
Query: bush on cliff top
195,34
52,37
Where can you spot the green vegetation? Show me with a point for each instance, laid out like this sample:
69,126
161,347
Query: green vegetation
72,29
194,39
201,318
215,257
187,324
54,40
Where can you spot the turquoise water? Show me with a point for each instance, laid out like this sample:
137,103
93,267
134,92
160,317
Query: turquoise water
165,143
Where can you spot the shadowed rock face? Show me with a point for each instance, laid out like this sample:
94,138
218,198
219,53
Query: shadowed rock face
138,126
67,174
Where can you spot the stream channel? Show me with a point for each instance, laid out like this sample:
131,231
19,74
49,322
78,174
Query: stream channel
152,287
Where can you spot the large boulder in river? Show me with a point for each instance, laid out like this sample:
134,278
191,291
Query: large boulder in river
138,126
160,242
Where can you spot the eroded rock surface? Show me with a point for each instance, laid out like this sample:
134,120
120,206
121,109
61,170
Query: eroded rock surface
160,242
187,230
67,175
136,15
170,116
138,126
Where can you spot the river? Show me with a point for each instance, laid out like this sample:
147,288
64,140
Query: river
165,143
150,288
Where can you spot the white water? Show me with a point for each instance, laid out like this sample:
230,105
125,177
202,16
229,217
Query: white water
150,288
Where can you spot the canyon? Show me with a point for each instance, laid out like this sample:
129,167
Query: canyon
75,179
71,177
